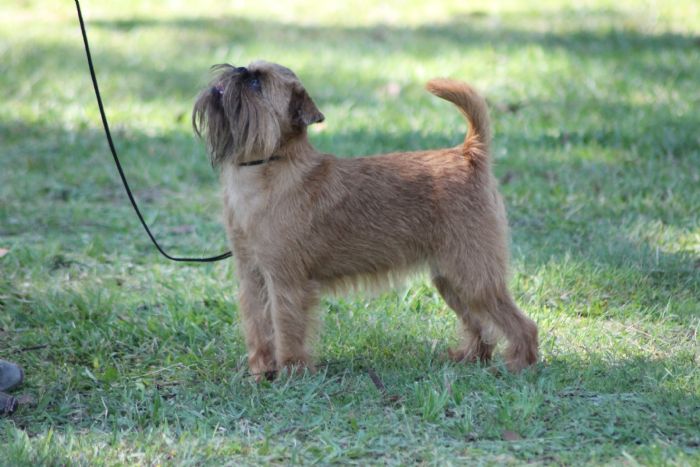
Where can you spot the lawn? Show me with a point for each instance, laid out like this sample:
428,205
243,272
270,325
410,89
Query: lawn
131,359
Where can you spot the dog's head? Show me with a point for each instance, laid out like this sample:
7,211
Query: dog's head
248,113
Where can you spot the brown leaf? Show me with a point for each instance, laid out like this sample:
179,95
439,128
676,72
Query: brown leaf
511,436
394,398
26,399
3,252
182,229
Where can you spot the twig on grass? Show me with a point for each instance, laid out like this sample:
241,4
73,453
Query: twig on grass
30,348
377,381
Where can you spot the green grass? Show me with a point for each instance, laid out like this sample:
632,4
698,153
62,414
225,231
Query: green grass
135,360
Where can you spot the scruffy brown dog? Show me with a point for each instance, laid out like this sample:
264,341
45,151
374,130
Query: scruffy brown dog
301,222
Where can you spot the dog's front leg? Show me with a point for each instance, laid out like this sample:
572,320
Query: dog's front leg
293,318
257,322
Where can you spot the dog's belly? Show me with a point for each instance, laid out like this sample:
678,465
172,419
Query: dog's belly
363,260
373,281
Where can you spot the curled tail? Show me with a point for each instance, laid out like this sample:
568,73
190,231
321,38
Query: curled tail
472,105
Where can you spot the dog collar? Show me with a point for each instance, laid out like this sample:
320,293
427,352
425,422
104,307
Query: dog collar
259,161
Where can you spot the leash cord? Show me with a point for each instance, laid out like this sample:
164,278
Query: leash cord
116,158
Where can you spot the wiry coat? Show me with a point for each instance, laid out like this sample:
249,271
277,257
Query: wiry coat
306,222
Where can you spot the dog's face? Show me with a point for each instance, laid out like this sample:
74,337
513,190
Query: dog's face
248,113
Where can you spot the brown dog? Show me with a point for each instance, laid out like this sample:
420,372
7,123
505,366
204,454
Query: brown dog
301,222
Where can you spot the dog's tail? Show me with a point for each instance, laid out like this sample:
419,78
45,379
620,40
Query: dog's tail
472,105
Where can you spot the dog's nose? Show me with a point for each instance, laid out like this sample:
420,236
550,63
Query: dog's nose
240,69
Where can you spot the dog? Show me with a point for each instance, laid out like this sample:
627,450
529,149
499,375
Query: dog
301,222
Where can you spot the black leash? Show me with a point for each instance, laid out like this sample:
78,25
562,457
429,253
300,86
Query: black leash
116,158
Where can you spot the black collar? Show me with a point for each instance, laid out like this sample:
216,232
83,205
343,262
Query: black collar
259,161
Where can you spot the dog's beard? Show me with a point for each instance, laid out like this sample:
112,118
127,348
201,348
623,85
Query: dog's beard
253,126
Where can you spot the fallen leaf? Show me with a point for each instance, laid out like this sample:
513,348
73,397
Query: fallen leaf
3,252
394,398
26,399
511,436
181,229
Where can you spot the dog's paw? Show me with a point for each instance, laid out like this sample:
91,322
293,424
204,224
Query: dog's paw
474,353
262,368
296,367
460,355
517,363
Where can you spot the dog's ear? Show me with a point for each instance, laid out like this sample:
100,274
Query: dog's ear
303,110
210,123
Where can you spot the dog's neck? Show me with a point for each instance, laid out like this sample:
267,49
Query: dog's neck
296,149
247,189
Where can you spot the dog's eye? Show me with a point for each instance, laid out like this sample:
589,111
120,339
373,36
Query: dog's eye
254,84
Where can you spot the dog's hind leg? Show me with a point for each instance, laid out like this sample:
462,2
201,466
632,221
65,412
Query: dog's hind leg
476,344
481,300
521,332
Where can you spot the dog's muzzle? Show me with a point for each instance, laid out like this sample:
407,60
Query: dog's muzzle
217,90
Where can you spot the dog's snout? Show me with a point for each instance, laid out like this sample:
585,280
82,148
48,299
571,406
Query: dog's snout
240,69
217,90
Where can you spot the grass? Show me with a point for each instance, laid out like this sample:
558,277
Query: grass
134,360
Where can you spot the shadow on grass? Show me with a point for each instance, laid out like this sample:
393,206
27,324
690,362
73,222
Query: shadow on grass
463,31
627,51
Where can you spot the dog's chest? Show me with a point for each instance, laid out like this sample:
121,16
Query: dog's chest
245,198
